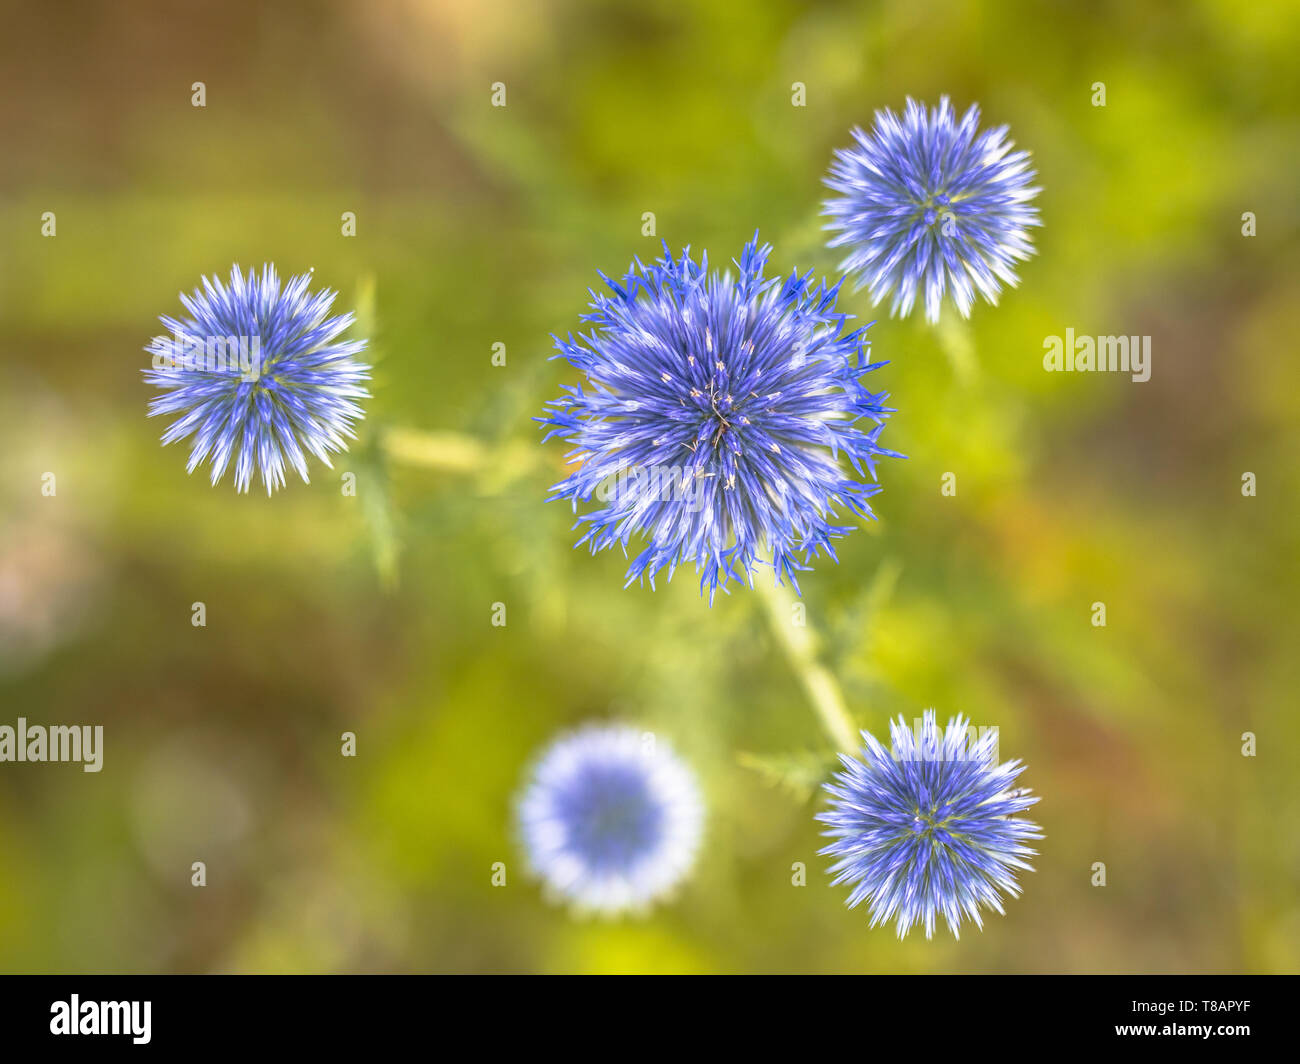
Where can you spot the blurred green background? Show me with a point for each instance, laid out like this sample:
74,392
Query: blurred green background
478,225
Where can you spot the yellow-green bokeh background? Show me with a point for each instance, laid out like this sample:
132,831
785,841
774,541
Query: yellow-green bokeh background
478,225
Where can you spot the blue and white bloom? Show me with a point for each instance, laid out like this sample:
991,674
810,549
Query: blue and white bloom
929,203
929,829
611,819
258,376
715,415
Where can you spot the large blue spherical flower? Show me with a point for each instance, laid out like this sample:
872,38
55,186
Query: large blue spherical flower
258,376
929,203
716,412
930,828
610,819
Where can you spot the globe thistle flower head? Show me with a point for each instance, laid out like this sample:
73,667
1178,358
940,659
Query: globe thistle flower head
929,203
722,418
928,829
258,376
610,819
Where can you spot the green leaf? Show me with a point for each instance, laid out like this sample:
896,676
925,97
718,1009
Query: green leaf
799,773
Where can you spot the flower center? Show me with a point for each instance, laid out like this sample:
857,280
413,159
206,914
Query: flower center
937,210
930,822
721,416
613,819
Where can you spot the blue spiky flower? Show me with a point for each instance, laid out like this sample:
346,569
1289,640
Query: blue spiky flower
929,203
258,376
929,829
722,417
611,819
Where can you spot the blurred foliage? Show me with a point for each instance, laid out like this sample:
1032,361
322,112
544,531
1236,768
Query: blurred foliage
477,225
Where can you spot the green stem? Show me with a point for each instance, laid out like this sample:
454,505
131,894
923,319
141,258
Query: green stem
451,452
954,336
799,642
493,466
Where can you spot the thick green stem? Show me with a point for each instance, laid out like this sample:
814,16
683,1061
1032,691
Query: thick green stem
799,642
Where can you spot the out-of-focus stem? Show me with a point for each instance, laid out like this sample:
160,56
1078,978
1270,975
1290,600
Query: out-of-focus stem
958,345
452,452
493,467
799,642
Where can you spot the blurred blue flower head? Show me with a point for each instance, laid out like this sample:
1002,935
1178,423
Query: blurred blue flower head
929,829
929,203
258,377
714,417
611,819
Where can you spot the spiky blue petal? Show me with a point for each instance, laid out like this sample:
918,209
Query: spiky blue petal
928,829
722,417
929,203
301,397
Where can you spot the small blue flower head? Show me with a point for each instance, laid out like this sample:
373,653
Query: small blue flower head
722,417
258,376
926,203
930,828
611,819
